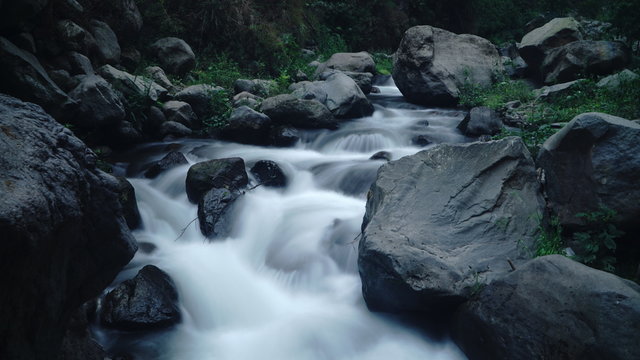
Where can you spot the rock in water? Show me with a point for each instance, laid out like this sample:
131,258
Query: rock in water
552,308
592,162
168,162
213,209
442,220
64,237
227,173
288,110
431,64
247,126
268,173
146,302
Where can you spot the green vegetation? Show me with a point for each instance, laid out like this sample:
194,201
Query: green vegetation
598,244
550,239
496,95
220,110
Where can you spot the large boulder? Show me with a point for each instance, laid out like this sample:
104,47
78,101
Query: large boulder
247,126
107,44
168,162
73,37
123,16
199,97
127,199
180,111
288,110
175,55
213,211
614,81
23,76
557,32
357,62
580,58
99,106
552,308
592,162
148,301
439,222
227,173
339,93
132,85
268,173
481,121
431,64
64,237
259,87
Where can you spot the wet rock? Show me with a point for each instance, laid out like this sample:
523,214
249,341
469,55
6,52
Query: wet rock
421,140
288,110
557,32
381,155
268,173
78,344
592,162
284,136
226,173
21,15
174,55
440,220
106,42
168,162
63,79
213,210
431,64
126,134
99,106
23,76
247,126
552,307
149,301
180,112
127,199
77,239
580,58
481,121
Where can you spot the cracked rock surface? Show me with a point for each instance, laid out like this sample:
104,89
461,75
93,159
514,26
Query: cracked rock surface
444,221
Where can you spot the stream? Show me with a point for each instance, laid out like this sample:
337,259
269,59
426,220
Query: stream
284,284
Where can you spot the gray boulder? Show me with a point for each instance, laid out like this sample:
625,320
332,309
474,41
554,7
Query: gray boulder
247,126
23,76
557,91
259,87
127,199
283,136
148,301
339,93
227,173
362,79
439,222
64,237
593,161
213,211
106,42
552,308
431,64
99,106
558,32
580,58
130,58
158,75
73,37
199,97
132,85
246,99
124,17
481,121
174,55
168,162
79,64
268,173
180,111
614,81
174,129
288,110
356,62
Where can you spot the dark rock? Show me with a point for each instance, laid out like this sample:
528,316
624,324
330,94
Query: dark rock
261,88
125,135
552,308
439,221
172,128
515,68
107,44
580,58
73,37
358,62
181,112
288,110
78,344
557,32
431,64
199,97
300,76
25,41
592,162
168,162
174,55
124,18
614,81
213,209
148,301
246,99
227,173
21,15
127,199
152,122
481,121
23,76
130,58
64,237
247,126
421,140
80,64
339,93
381,155
284,136
158,75
268,173
132,85
99,106
71,9
63,79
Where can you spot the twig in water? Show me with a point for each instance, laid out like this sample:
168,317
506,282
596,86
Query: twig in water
185,229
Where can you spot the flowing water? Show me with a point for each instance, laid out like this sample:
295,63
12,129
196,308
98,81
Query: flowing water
284,284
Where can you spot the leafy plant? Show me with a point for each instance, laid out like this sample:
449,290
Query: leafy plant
550,239
384,63
598,244
221,109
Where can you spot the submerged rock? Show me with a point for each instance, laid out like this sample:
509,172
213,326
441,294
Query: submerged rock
168,162
148,301
268,173
441,220
226,173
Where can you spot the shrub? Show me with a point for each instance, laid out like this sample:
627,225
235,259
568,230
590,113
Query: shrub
598,243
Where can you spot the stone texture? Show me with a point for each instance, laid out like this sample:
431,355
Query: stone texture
288,110
168,162
481,121
213,210
199,97
132,85
247,126
226,173
268,173
557,32
175,55
106,41
357,62
99,106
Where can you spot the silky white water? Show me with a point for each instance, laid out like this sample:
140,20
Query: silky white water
284,284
